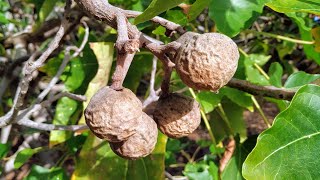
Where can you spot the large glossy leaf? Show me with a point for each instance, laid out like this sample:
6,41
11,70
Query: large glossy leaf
300,78
155,8
309,6
232,16
290,148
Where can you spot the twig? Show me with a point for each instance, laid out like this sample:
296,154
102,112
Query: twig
152,93
50,127
29,68
64,63
265,119
268,91
36,107
159,20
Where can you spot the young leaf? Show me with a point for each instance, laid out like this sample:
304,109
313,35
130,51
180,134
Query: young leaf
24,155
252,73
232,16
290,148
155,8
275,74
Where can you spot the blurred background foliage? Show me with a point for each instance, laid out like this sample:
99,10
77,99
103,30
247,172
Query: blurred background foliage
279,42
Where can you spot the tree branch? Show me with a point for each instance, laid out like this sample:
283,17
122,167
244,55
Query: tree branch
50,127
268,91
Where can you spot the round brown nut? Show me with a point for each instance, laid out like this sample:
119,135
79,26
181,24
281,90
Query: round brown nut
206,61
177,115
113,115
141,143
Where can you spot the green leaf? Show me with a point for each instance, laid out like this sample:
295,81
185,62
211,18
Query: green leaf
233,169
97,160
196,8
38,172
140,65
160,30
252,73
65,109
76,78
232,16
4,149
290,148
177,16
155,8
208,100
305,31
104,54
284,6
234,113
275,74
46,9
200,170
239,97
3,19
24,155
300,78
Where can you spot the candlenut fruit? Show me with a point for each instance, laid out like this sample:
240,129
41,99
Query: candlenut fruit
177,115
113,115
141,143
206,61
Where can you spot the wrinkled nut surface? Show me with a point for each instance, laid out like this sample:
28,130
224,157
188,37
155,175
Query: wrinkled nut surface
141,143
113,115
206,61
177,115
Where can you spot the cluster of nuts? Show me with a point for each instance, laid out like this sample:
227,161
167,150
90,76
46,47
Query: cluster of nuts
204,62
